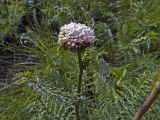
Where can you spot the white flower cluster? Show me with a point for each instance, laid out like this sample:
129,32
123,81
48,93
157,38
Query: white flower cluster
75,36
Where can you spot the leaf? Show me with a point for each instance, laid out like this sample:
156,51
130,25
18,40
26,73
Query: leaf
119,73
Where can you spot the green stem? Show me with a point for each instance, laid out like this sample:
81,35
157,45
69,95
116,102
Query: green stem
79,84
149,101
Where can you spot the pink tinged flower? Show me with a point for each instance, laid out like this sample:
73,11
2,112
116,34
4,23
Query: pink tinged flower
75,36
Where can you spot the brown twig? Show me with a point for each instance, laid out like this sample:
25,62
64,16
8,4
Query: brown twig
149,101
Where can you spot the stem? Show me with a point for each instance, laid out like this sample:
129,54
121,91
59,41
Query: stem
80,72
149,101
79,84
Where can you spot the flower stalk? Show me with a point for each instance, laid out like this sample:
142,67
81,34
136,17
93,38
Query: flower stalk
80,71
77,110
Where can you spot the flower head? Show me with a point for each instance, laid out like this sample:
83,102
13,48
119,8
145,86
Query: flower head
75,36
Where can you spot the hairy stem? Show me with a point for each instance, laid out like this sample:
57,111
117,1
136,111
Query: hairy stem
79,84
149,101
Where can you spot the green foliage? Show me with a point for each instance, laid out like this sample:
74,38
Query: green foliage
10,16
120,66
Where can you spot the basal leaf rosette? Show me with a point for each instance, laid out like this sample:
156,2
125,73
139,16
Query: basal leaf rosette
75,36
